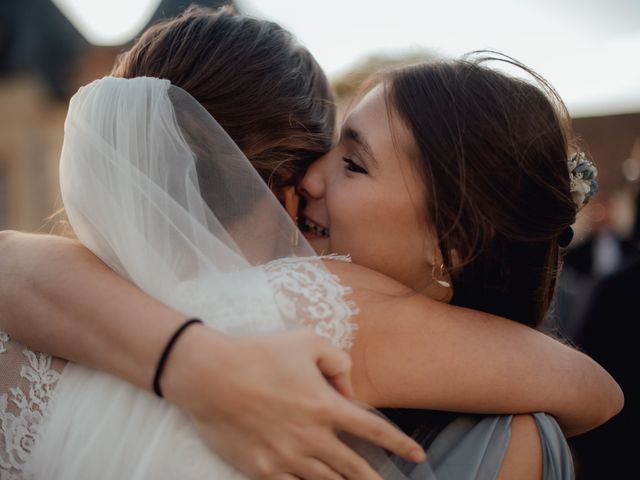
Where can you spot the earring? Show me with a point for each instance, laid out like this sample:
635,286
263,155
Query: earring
439,274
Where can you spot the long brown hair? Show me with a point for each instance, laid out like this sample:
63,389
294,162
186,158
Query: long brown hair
492,150
262,87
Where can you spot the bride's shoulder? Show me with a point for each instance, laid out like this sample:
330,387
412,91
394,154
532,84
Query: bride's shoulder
316,273
309,294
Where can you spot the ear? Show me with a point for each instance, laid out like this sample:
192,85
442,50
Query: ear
290,200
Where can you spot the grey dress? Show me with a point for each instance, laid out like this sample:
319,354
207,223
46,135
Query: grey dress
466,447
473,448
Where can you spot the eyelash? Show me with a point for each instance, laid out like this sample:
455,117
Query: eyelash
353,166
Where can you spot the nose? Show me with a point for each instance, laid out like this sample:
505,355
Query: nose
313,183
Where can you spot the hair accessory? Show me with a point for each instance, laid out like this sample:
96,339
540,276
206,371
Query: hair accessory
565,237
582,178
439,274
165,354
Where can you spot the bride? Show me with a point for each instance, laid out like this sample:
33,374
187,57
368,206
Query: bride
167,200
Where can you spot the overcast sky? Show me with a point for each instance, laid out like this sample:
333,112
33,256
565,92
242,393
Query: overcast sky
588,49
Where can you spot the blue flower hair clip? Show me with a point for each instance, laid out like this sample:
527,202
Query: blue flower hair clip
582,178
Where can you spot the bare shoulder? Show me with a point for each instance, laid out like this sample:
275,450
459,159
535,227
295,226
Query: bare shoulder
380,297
523,458
366,281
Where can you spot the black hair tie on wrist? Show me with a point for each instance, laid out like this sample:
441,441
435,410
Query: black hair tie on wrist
165,354
565,237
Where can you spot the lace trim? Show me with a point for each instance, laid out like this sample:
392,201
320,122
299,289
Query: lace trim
307,294
23,408
4,339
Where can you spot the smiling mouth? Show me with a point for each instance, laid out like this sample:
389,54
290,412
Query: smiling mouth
308,225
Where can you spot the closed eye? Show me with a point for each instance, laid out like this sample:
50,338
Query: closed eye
353,166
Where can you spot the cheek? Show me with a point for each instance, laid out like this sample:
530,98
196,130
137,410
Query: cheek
399,247
380,230
349,204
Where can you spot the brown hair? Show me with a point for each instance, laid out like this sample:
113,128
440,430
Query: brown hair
263,88
493,152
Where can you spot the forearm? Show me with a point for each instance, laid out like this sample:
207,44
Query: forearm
415,353
64,301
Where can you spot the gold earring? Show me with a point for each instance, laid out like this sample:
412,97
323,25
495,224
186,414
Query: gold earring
439,274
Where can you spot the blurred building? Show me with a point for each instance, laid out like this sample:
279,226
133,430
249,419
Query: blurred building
43,61
611,140
348,86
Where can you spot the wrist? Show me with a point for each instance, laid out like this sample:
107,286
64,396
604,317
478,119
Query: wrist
157,389
196,357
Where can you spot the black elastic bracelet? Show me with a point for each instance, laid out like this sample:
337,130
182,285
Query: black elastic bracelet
165,354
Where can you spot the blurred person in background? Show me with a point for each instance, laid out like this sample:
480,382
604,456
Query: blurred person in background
608,335
601,251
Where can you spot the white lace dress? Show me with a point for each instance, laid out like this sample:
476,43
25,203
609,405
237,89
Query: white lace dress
27,382
303,290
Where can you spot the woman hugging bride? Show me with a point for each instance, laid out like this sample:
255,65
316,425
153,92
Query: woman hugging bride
449,187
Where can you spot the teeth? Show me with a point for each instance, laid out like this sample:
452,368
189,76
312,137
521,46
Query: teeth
315,228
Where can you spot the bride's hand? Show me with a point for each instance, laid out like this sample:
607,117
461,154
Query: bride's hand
264,404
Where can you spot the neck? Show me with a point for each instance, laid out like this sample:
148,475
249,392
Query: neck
436,291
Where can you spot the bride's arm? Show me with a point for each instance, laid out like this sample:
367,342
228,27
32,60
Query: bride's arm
50,305
273,416
415,352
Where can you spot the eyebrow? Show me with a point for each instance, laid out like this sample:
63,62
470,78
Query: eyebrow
350,133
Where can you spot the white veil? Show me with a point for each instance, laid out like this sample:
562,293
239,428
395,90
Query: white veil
135,156
155,188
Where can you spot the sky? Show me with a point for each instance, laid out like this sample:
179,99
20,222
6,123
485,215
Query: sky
588,49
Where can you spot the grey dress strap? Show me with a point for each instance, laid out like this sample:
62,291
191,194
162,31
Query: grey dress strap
473,448
469,447
557,460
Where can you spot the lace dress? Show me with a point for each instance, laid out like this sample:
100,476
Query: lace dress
303,290
27,382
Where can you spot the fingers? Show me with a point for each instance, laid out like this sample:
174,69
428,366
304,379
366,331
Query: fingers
331,361
375,429
335,365
342,383
345,462
313,469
